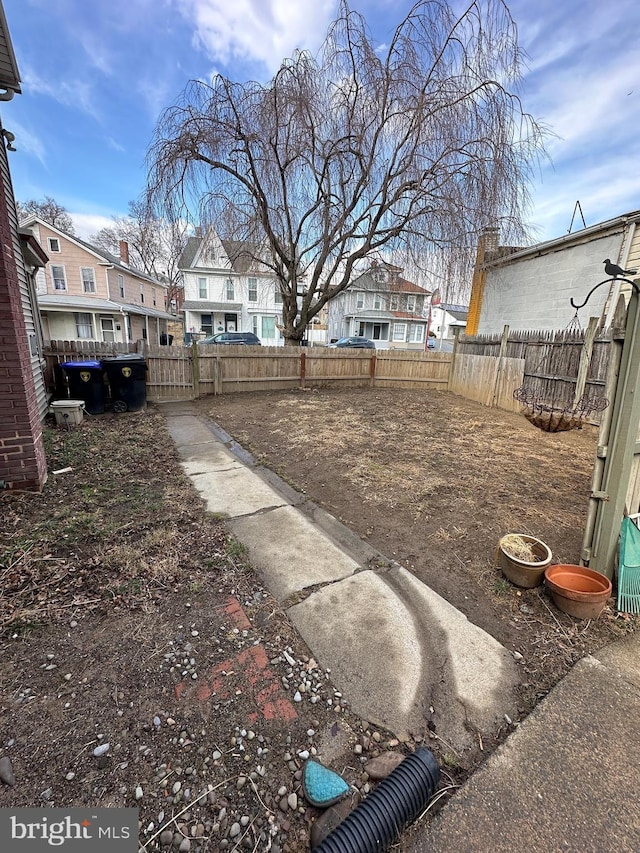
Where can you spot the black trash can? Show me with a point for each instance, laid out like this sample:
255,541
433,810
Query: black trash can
85,381
127,375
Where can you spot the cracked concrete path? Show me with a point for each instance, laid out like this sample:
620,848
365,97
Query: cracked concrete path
400,654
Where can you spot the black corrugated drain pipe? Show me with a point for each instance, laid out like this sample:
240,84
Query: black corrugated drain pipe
397,801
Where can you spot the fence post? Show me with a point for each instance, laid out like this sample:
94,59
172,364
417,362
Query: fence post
501,356
452,363
585,360
303,368
372,370
217,377
195,370
619,451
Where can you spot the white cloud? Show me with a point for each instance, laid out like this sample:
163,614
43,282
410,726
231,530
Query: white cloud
87,224
259,30
112,143
26,141
69,93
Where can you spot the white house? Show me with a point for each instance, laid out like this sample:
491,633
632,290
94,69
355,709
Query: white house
448,321
227,290
383,306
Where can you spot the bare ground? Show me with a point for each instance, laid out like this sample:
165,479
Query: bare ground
435,480
116,587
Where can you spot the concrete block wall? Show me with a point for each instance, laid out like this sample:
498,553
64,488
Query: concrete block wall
534,292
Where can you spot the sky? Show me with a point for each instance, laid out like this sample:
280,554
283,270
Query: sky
96,75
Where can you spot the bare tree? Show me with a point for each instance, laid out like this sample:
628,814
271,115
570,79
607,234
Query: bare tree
416,148
155,244
47,209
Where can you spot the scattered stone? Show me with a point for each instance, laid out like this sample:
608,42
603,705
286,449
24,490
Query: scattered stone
381,766
156,721
139,793
6,772
101,750
517,656
185,846
303,754
70,775
297,697
292,801
235,830
166,838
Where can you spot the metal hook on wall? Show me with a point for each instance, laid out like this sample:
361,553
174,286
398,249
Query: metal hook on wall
606,281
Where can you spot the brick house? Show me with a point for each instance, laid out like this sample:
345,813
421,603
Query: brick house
86,293
23,400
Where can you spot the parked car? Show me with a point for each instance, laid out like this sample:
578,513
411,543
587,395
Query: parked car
355,342
238,338
431,344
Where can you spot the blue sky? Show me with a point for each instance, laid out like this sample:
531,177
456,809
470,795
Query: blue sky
97,73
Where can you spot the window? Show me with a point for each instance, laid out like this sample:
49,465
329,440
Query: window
54,244
230,291
154,299
84,329
202,288
206,323
268,327
59,281
399,331
142,294
88,277
359,300
253,290
121,286
411,303
416,334
254,325
377,302
277,296
108,330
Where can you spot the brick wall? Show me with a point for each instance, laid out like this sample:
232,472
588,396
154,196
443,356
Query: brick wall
22,459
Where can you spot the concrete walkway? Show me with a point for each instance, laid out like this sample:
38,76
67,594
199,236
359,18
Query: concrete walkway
400,654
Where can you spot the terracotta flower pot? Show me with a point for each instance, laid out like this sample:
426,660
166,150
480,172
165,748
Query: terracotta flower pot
578,591
524,573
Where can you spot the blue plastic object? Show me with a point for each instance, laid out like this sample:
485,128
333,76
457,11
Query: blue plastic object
629,568
322,786
397,801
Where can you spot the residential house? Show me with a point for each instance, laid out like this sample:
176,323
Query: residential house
227,289
23,400
448,321
86,293
383,306
532,288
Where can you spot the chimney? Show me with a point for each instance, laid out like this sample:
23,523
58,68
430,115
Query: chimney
124,252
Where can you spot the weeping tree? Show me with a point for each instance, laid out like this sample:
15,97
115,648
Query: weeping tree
155,244
357,150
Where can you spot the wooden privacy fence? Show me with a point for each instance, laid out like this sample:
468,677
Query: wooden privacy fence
184,373
557,368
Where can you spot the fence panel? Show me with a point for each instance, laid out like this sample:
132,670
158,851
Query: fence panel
57,352
347,368
170,373
403,369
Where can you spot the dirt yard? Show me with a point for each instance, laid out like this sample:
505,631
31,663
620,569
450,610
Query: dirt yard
143,664
434,481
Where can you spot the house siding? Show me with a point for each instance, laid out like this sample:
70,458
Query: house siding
22,458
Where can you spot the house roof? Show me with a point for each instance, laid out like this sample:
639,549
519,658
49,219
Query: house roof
32,250
9,74
401,285
584,235
408,315
100,253
242,254
395,283
89,303
460,312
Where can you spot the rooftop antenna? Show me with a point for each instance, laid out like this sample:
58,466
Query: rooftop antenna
577,207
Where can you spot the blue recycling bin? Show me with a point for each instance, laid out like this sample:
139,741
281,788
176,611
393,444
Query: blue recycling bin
85,381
